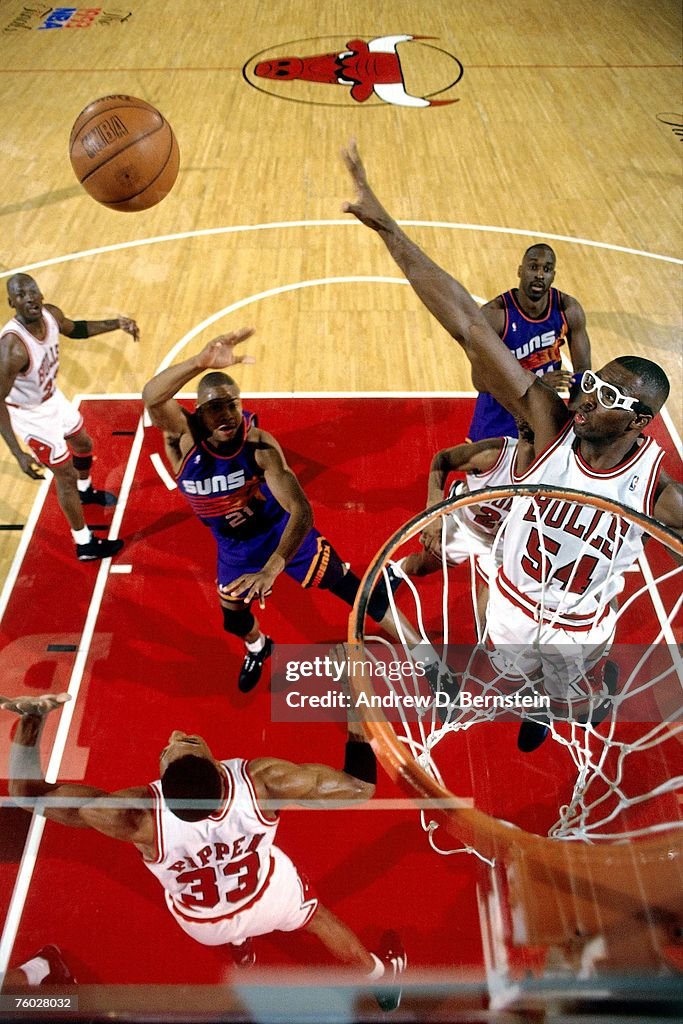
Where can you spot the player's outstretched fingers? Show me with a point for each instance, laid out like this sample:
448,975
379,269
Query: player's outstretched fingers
42,705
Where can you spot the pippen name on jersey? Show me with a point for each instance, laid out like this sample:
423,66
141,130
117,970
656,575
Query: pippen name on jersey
567,515
219,484
215,853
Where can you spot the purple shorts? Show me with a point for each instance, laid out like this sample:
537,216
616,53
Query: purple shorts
315,559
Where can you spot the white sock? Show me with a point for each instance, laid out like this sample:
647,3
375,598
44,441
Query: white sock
256,645
425,653
35,970
378,970
83,536
83,485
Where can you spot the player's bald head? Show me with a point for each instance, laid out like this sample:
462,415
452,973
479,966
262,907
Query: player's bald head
216,385
18,281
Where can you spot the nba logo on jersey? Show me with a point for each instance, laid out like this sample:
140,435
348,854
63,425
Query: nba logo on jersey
633,483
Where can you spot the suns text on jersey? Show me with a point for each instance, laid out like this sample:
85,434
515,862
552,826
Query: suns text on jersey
218,484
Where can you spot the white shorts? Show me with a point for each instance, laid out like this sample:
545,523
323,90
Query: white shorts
560,658
461,541
45,427
285,905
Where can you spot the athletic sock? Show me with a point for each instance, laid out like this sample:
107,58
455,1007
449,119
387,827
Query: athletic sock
256,645
377,971
35,970
83,536
425,653
83,485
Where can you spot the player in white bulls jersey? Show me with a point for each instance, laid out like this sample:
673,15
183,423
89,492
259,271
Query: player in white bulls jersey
33,408
470,530
600,443
206,830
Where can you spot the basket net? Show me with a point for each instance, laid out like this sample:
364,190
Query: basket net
597,806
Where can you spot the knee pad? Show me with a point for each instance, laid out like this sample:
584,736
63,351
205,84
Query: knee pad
345,587
379,602
82,462
238,623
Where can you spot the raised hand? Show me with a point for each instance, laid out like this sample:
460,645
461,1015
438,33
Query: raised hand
34,705
367,207
220,353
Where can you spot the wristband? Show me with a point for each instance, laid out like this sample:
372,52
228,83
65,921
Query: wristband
360,761
80,329
23,763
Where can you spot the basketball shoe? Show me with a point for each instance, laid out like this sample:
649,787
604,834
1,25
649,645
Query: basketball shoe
95,497
97,547
393,956
59,972
252,666
243,955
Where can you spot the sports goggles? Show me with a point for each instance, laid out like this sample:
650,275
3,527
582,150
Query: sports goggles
609,396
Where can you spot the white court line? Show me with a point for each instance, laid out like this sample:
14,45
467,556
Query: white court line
118,567
268,294
30,853
346,222
163,473
26,537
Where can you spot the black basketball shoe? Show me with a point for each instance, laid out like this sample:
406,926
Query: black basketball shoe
97,547
531,735
252,666
94,497
59,972
393,956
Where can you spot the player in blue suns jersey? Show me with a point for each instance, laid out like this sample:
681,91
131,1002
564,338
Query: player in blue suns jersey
236,479
534,321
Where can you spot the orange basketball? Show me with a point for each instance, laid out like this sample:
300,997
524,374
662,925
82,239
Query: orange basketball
124,153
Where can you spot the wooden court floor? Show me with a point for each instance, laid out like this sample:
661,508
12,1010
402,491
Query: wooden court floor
562,127
563,123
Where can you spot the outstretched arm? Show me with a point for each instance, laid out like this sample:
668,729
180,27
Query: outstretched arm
69,803
493,365
158,393
286,782
89,328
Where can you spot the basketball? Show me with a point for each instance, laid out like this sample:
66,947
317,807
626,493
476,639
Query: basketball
124,153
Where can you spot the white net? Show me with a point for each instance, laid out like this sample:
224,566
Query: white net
606,690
